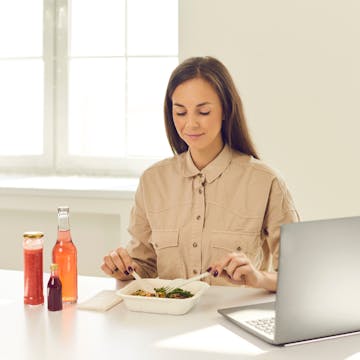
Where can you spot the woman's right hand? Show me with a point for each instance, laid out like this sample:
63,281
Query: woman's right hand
118,264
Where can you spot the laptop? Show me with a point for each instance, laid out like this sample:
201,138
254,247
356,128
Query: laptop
318,292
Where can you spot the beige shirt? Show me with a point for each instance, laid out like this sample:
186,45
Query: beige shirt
184,220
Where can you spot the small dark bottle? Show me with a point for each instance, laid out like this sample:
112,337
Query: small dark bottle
54,289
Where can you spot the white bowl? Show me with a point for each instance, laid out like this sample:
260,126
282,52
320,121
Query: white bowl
161,305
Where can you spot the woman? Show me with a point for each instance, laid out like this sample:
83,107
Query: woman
214,205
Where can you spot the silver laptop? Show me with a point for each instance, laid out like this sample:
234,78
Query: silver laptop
318,291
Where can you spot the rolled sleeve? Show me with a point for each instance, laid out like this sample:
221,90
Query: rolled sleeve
280,210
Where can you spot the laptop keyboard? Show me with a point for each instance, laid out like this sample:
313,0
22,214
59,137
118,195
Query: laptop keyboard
266,325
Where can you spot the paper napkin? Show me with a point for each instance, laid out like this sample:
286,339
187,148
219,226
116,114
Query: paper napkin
102,301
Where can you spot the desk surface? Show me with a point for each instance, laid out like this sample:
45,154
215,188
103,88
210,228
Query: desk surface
34,333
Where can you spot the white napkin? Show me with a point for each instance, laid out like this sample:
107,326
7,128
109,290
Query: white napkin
102,301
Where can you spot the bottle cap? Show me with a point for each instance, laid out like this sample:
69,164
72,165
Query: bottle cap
54,267
33,234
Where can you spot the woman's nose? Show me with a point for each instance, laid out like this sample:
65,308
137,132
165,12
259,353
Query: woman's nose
192,121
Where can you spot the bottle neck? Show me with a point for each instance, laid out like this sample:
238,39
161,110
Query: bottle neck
63,225
54,270
55,273
63,222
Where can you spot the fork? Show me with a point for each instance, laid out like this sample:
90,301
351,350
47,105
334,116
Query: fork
177,283
144,284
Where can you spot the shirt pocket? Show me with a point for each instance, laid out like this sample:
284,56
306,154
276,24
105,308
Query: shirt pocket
166,246
225,242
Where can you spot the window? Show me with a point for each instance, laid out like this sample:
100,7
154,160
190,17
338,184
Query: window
83,82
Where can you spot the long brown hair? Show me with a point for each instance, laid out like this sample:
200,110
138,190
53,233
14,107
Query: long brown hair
234,129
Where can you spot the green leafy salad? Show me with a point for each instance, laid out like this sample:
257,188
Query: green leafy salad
162,293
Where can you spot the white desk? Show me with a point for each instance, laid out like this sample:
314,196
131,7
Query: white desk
34,333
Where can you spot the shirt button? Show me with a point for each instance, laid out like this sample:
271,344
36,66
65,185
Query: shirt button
238,248
200,191
195,271
194,244
198,217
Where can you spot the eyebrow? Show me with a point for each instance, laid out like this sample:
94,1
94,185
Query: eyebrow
198,105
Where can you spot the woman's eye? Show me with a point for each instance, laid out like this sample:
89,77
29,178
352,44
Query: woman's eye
181,114
204,112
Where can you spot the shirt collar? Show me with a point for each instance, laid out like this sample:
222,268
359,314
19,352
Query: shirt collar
213,170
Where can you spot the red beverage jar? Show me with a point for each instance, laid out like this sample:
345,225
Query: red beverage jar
33,267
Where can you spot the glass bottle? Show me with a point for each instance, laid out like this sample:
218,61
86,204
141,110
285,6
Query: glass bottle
33,267
54,289
64,254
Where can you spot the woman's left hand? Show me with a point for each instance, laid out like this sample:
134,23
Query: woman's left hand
239,269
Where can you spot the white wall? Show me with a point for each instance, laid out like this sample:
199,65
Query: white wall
296,65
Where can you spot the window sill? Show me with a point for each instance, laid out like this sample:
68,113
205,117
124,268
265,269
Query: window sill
68,186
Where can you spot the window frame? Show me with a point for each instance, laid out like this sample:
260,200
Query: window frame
40,163
55,160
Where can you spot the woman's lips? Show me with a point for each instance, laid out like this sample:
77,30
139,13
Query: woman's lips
194,136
